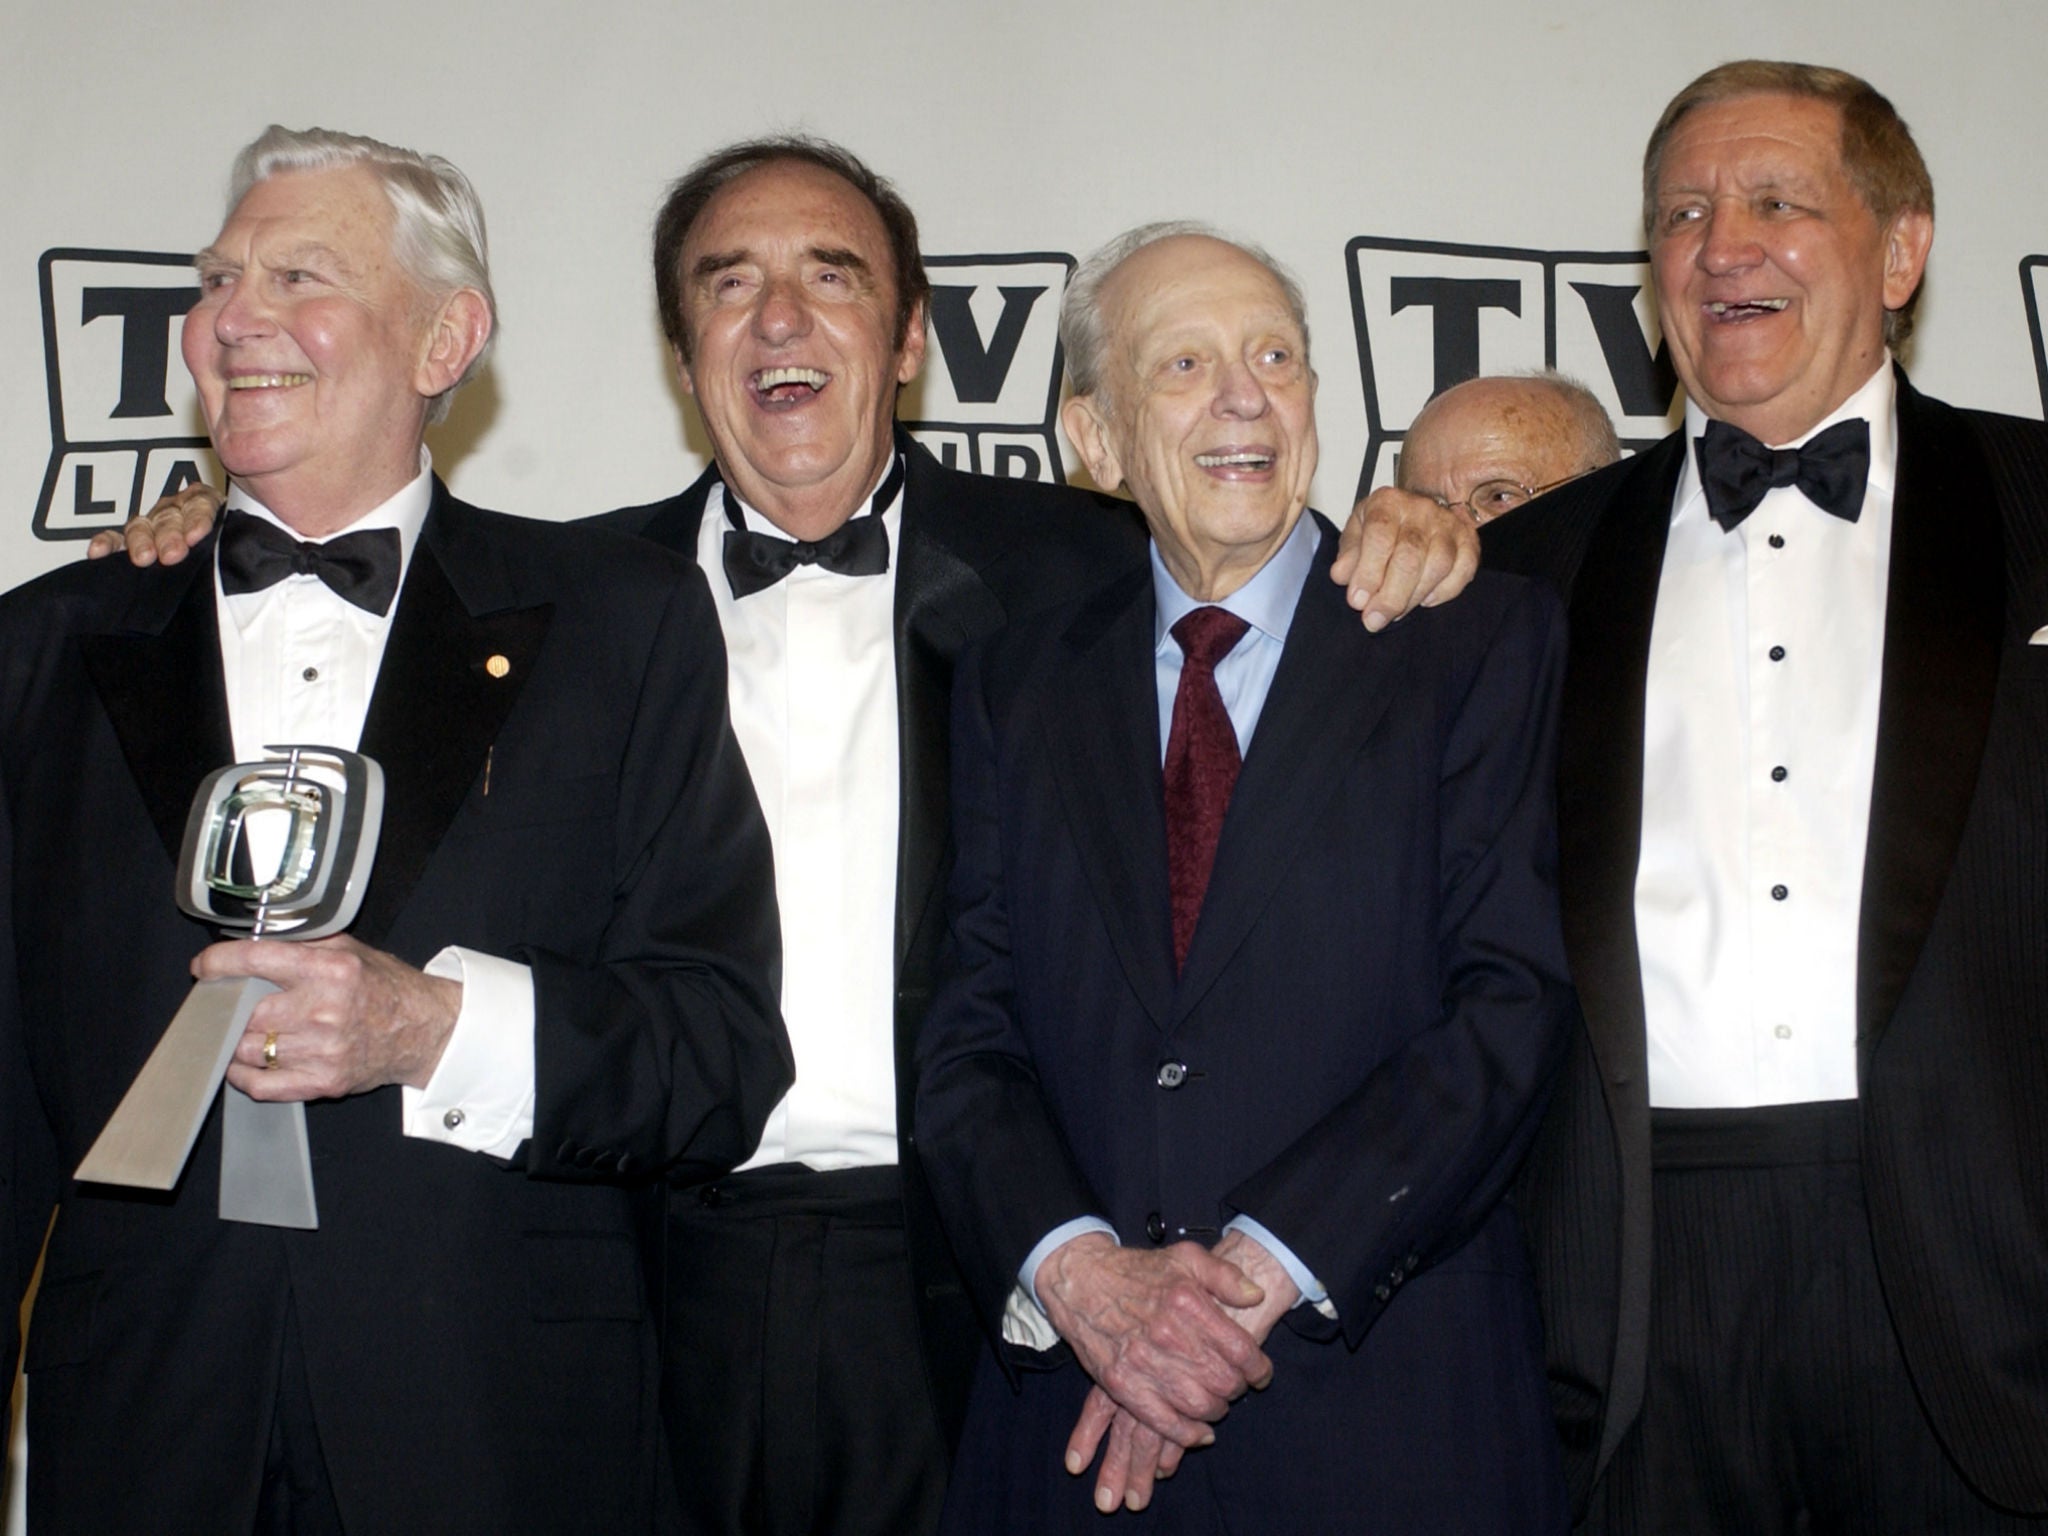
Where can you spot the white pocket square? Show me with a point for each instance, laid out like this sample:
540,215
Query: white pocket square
2040,636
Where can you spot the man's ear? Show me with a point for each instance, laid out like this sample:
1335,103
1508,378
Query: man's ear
454,337
1905,254
911,357
1088,428
683,374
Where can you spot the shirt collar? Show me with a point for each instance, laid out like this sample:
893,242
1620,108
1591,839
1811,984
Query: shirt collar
406,511
1266,602
756,522
1876,402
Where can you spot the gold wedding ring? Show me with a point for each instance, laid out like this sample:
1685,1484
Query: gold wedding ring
270,1050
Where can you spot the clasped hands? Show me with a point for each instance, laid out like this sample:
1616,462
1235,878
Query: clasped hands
1170,1337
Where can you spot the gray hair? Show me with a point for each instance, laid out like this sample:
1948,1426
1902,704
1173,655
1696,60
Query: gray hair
1084,331
1598,444
1595,443
437,231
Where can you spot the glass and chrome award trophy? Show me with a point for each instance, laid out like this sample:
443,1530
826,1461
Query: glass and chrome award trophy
277,849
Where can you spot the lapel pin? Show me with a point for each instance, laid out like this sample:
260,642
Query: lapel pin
497,666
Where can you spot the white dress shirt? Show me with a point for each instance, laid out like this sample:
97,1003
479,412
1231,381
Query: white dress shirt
1759,742
811,673
300,664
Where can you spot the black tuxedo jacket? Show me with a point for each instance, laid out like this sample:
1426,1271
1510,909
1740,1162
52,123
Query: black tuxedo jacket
477,1344
977,551
1371,1006
1952,959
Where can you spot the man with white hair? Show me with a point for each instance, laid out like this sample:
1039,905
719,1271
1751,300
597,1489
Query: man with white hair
570,849
1224,1081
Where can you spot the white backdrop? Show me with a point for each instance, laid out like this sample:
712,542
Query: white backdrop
1357,140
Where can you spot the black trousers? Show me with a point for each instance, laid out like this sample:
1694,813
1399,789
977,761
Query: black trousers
793,1382
296,1498
1777,1398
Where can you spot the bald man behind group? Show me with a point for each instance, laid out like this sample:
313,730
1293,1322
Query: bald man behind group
1487,445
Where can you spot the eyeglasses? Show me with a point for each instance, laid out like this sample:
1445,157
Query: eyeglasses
1493,497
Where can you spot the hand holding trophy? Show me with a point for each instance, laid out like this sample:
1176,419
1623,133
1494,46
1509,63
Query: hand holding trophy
276,849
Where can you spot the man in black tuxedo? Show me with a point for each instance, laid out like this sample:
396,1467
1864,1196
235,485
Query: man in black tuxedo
571,849
1225,1054
1787,1207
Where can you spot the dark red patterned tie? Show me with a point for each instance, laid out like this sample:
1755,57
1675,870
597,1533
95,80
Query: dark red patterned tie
1201,766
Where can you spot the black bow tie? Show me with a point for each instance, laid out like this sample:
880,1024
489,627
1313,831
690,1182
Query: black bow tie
361,566
857,547
1831,470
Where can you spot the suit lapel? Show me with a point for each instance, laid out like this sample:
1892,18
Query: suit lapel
163,690
1600,763
942,605
1944,612
677,524
1600,829
1102,733
440,700
1329,692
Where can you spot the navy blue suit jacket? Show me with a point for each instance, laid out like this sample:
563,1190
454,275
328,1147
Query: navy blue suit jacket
1371,1006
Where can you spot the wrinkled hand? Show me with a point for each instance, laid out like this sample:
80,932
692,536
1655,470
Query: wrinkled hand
1135,1457
167,531
349,1018
1279,1293
1148,1327
1401,551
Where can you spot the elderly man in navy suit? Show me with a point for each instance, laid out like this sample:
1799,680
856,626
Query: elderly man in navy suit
1225,1079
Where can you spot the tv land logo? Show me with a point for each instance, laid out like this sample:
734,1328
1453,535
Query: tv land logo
124,417
123,412
2034,287
1431,314
989,394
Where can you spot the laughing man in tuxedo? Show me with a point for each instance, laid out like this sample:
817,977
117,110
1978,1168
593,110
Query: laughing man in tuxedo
1787,1209
571,851
1226,1078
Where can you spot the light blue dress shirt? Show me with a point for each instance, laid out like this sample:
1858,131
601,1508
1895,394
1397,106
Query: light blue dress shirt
1244,677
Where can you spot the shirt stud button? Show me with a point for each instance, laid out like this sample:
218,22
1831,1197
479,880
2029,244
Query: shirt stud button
1777,541
453,1119
1777,653
1778,774
311,674
1779,892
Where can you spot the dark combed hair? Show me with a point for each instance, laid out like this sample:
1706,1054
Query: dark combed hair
692,192
1879,156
